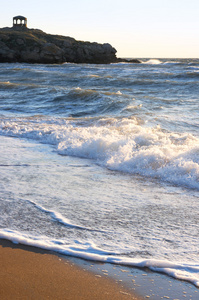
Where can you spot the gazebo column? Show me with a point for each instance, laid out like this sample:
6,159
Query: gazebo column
19,21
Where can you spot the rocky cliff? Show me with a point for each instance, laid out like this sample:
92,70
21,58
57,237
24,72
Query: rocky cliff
36,46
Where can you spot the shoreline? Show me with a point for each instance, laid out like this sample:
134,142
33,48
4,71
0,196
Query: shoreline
30,273
148,284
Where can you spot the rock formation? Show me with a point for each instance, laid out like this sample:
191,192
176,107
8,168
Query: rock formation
35,46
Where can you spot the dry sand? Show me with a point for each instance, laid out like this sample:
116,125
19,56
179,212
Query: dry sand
30,273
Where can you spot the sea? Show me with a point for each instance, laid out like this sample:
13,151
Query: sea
101,162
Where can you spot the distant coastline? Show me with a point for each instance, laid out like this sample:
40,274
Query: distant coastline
35,46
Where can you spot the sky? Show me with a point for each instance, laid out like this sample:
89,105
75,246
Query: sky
136,29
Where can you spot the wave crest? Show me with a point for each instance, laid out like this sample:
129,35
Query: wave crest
125,145
153,62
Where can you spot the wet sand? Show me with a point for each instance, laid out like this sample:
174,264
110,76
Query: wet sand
30,273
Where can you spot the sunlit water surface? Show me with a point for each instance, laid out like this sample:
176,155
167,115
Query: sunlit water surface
102,162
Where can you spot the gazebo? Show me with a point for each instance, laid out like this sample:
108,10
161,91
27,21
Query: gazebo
19,21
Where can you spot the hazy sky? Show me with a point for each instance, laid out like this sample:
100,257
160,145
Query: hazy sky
142,28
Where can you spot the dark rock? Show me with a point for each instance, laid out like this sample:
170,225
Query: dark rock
35,46
20,44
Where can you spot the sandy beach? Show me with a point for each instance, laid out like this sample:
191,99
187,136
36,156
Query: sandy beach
30,273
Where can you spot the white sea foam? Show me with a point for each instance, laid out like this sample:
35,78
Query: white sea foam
153,62
78,207
61,219
126,145
90,251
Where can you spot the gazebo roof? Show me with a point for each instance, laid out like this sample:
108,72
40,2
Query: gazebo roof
20,18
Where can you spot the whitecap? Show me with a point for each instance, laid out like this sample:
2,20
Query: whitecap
153,62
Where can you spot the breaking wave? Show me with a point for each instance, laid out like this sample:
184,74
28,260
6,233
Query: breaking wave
125,145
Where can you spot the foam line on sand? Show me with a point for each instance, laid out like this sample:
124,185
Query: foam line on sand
29,273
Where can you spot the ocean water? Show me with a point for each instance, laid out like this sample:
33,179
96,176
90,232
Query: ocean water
101,162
